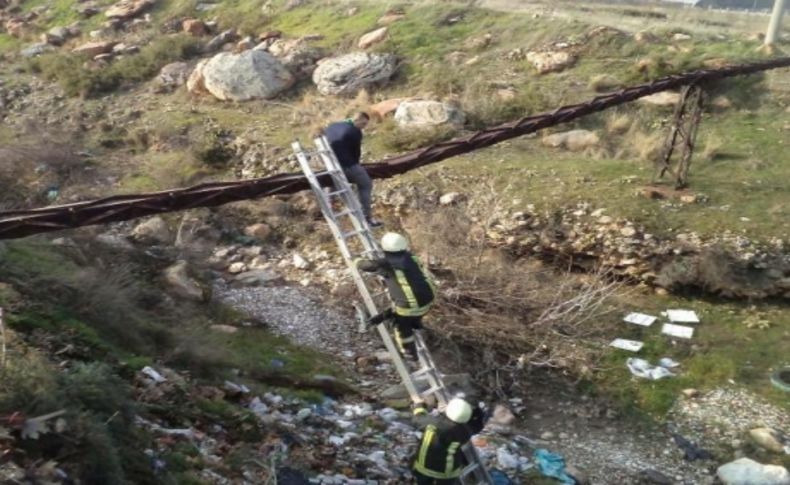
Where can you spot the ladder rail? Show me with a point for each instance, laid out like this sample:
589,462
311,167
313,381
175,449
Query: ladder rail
436,387
370,305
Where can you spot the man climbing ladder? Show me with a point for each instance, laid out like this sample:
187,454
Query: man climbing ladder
355,241
412,292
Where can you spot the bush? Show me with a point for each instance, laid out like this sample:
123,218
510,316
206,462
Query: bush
78,80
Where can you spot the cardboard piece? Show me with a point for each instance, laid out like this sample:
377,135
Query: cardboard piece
682,316
640,319
625,344
677,331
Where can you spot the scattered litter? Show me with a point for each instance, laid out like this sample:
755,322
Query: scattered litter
691,451
552,465
668,363
624,344
234,388
154,375
640,319
677,330
646,370
682,316
498,477
510,461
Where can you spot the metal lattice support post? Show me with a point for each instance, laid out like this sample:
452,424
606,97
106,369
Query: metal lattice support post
682,136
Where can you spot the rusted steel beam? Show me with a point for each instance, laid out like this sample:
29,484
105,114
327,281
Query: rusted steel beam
21,223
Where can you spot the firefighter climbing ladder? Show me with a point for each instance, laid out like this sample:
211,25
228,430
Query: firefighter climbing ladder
355,240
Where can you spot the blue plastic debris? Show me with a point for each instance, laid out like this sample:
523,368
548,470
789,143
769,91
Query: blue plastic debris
552,465
499,477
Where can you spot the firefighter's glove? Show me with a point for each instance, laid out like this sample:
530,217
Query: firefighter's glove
381,317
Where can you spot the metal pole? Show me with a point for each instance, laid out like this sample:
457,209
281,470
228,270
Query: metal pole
776,22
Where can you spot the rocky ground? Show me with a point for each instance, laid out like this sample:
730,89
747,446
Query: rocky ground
599,444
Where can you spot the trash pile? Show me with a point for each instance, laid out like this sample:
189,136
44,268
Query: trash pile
642,368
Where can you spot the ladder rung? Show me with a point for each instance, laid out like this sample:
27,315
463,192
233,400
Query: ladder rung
342,213
336,192
423,371
346,235
432,390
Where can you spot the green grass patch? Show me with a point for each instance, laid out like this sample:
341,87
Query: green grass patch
723,352
78,80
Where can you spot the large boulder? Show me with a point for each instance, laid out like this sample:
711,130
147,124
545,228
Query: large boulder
298,55
573,140
196,81
349,73
554,61
745,471
422,113
252,74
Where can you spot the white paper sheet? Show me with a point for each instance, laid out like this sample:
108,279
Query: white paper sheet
682,316
677,330
625,344
640,319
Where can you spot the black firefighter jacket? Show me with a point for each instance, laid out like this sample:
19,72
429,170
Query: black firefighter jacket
411,290
440,453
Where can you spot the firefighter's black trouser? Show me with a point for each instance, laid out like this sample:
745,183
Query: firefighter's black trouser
404,333
423,480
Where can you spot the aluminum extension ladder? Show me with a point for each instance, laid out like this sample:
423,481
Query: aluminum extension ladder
355,240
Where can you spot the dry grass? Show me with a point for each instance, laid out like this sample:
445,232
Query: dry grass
712,147
618,123
30,166
522,313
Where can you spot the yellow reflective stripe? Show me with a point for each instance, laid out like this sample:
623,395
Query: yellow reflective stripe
413,312
448,468
430,431
407,291
399,341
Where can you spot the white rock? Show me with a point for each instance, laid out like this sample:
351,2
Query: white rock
347,74
178,279
174,74
418,114
664,98
573,140
745,471
546,62
450,198
768,439
237,267
299,262
373,37
152,231
252,74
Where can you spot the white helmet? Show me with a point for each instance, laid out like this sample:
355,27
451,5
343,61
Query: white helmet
458,411
392,242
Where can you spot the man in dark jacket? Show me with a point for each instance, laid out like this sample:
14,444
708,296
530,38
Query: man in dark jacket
412,292
345,138
440,458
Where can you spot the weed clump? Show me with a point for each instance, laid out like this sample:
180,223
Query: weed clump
77,79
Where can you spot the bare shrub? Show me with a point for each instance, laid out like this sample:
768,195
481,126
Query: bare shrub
30,166
524,314
618,123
